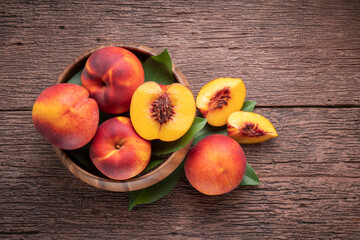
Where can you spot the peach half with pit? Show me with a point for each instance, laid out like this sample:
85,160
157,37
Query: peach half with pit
111,75
249,127
219,98
118,151
215,165
65,116
162,112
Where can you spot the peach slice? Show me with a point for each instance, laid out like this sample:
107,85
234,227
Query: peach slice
249,127
118,151
162,112
215,165
219,98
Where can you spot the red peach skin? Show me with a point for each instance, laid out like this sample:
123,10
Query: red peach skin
111,75
215,165
65,116
118,151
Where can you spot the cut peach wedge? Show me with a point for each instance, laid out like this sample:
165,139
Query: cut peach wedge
249,127
162,112
219,98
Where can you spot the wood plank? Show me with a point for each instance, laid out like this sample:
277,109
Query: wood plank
309,188
283,51
44,206
290,54
312,142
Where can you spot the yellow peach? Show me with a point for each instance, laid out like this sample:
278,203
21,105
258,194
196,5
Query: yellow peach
118,151
219,98
162,112
215,165
111,75
249,127
65,115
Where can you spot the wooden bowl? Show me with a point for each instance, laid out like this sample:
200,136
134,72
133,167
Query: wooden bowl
138,182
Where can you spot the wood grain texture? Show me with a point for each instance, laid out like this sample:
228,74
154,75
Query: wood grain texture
309,188
284,51
299,59
325,143
280,208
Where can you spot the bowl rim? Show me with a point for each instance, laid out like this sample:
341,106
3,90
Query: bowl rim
137,182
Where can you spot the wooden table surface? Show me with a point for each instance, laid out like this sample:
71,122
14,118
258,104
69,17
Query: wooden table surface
300,60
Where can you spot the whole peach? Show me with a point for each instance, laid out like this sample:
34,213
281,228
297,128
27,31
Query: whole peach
111,75
215,165
118,151
65,115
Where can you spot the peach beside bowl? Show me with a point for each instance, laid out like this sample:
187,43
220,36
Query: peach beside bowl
138,182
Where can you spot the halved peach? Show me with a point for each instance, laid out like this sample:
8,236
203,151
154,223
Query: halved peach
219,98
249,127
162,112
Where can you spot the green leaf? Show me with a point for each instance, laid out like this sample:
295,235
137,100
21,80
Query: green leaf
250,177
76,79
160,147
159,69
152,164
157,191
248,106
209,130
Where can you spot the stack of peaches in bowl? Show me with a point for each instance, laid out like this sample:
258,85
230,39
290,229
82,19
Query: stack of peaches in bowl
114,114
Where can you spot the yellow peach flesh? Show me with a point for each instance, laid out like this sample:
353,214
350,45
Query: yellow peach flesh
184,113
140,114
174,127
250,127
219,98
